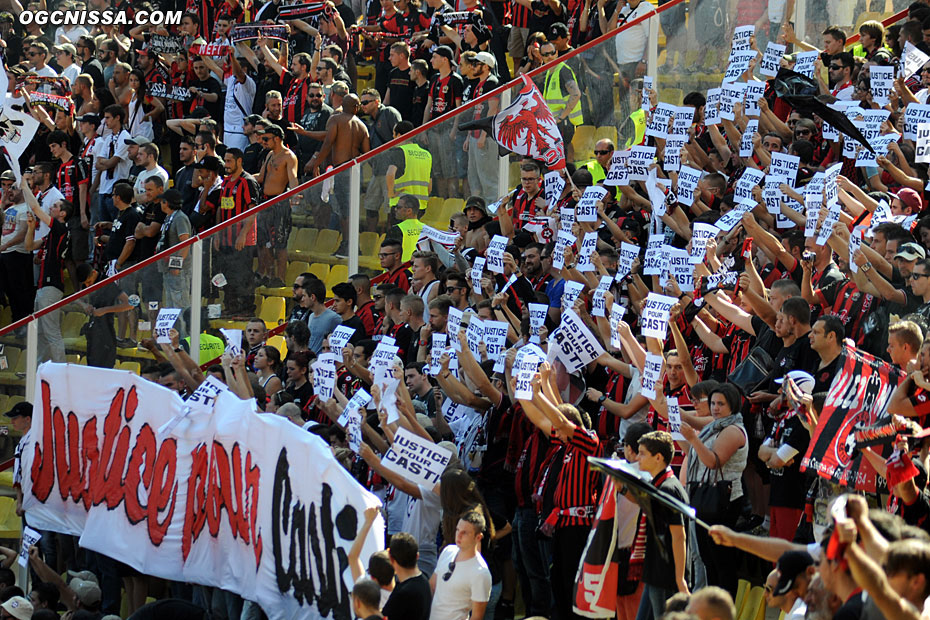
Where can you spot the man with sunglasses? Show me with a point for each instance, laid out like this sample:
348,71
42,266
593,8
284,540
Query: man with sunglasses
37,57
462,581
311,130
840,70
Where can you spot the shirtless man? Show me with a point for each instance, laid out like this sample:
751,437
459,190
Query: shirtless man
119,84
277,175
346,139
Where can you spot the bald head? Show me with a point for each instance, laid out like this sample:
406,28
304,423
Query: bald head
603,151
351,103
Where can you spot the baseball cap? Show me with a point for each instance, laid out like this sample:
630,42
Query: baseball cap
67,47
486,58
171,196
211,163
87,592
20,409
88,118
791,564
445,51
803,380
910,198
84,575
137,140
911,251
18,607
7,175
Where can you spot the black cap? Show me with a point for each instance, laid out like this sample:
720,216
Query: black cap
790,565
445,51
20,409
88,118
171,196
211,163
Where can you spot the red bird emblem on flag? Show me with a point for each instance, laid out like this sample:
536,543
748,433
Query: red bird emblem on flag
526,127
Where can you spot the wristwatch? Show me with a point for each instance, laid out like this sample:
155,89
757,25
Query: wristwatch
866,267
600,401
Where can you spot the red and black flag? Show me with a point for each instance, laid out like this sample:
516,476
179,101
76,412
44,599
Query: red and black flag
858,397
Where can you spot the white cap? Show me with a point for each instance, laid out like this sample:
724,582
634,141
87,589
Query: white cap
803,380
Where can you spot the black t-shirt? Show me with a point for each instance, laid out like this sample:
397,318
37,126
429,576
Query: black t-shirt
658,571
53,253
124,228
360,332
252,158
797,356
302,395
401,89
410,600
823,377
418,97
152,213
788,485
174,608
916,513
444,91
210,85
851,609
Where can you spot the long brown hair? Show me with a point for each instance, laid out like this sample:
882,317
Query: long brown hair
458,493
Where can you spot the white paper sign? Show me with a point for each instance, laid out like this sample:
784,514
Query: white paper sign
745,146
739,64
416,459
712,107
358,402
699,235
772,194
537,320
628,253
681,269
570,293
444,238
732,217
437,347
30,538
652,369
914,59
688,179
495,338
233,341
730,95
674,418
619,173
616,316
598,305
453,323
771,60
648,85
880,84
742,37
654,322
495,254
553,185
524,376
855,243
754,92
923,143
586,209
804,63
684,117
340,338
324,377
563,240
474,335
476,272
785,165
826,229
914,114
576,346
653,262
750,178
672,154
660,119
640,159
588,245
354,430
163,324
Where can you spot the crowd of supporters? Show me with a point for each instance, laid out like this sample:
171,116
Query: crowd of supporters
817,254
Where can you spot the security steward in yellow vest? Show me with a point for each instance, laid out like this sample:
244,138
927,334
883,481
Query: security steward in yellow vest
408,227
638,119
562,95
415,178
600,165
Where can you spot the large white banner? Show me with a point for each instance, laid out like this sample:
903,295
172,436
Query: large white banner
227,498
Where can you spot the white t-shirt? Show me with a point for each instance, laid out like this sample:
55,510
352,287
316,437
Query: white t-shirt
631,43
71,72
46,200
72,34
798,611
145,175
15,220
423,517
244,93
470,581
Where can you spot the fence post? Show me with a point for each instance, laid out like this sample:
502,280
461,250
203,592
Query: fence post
32,357
652,49
355,207
196,296
503,163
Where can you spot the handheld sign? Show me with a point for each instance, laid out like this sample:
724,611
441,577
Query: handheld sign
628,253
537,318
712,107
655,315
745,145
570,293
588,245
525,374
416,459
233,341
324,377
771,60
453,323
495,338
648,85
699,236
495,254
923,143
30,538
619,173
688,179
358,401
651,371
804,63
586,209
880,84
616,316
576,346
553,185
163,324
340,338
674,418
476,272
598,303
754,92
354,430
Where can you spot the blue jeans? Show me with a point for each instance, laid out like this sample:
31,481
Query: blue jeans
531,565
652,605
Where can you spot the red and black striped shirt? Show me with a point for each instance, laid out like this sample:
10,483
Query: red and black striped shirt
400,278
577,485
536,451
238,195
519,15
71,175
523,207
366,312
608,424
844,299
295,97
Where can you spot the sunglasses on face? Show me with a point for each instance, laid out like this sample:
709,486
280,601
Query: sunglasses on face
803,132
917,276
366,102
836,67
597,152
315,96
546,54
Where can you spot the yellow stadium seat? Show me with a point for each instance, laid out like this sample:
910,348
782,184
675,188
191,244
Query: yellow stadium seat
4,399
6,479
73,358
327,242
742,588
320,270
514,175
866,17
10,524
450,207
71,327
433,208
134,367
755,599
273,311
278,343
304,239
583,141
369,244
608,132
12,357
294,269
673,96
10,376
339,273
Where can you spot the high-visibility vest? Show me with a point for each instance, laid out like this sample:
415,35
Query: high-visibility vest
411,234
418,164
639,122
556,99
598,174
211,347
